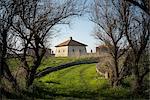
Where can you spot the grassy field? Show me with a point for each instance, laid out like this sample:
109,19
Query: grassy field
76,82
55,61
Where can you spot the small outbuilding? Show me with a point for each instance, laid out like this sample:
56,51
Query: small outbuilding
102,49
70,48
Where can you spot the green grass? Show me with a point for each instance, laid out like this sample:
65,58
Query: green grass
79,78
81,82
55,61
74,83
14,63
51,62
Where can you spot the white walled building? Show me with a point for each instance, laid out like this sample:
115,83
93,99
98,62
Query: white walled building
70,48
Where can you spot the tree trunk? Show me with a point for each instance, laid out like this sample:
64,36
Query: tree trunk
115,82
31,73
4,67
4,51
30,78
30,81
10,77
137,86
1,67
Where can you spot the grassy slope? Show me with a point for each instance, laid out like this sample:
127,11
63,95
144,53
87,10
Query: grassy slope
51,62
79,81
46,62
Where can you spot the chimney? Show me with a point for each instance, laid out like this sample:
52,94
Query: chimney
70,38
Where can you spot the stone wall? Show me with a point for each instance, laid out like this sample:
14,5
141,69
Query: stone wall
76,51
70,51
61,51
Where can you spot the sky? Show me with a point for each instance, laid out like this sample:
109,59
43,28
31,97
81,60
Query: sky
81,29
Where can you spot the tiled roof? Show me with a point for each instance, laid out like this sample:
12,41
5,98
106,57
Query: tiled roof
70,42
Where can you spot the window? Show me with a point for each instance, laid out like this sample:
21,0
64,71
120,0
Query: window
72,50
63,50
58,50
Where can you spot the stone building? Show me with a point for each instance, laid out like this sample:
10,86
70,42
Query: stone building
70,48
48,52
102,49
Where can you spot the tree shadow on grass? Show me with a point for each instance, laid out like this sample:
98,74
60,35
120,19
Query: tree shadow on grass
104,92
43,93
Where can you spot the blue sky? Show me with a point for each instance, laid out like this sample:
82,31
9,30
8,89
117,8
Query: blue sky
81,29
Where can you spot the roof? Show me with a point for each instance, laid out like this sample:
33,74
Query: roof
70,42
102,46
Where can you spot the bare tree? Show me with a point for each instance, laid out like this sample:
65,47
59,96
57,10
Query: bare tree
108,17
138,36
142,4
35,22
7,10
